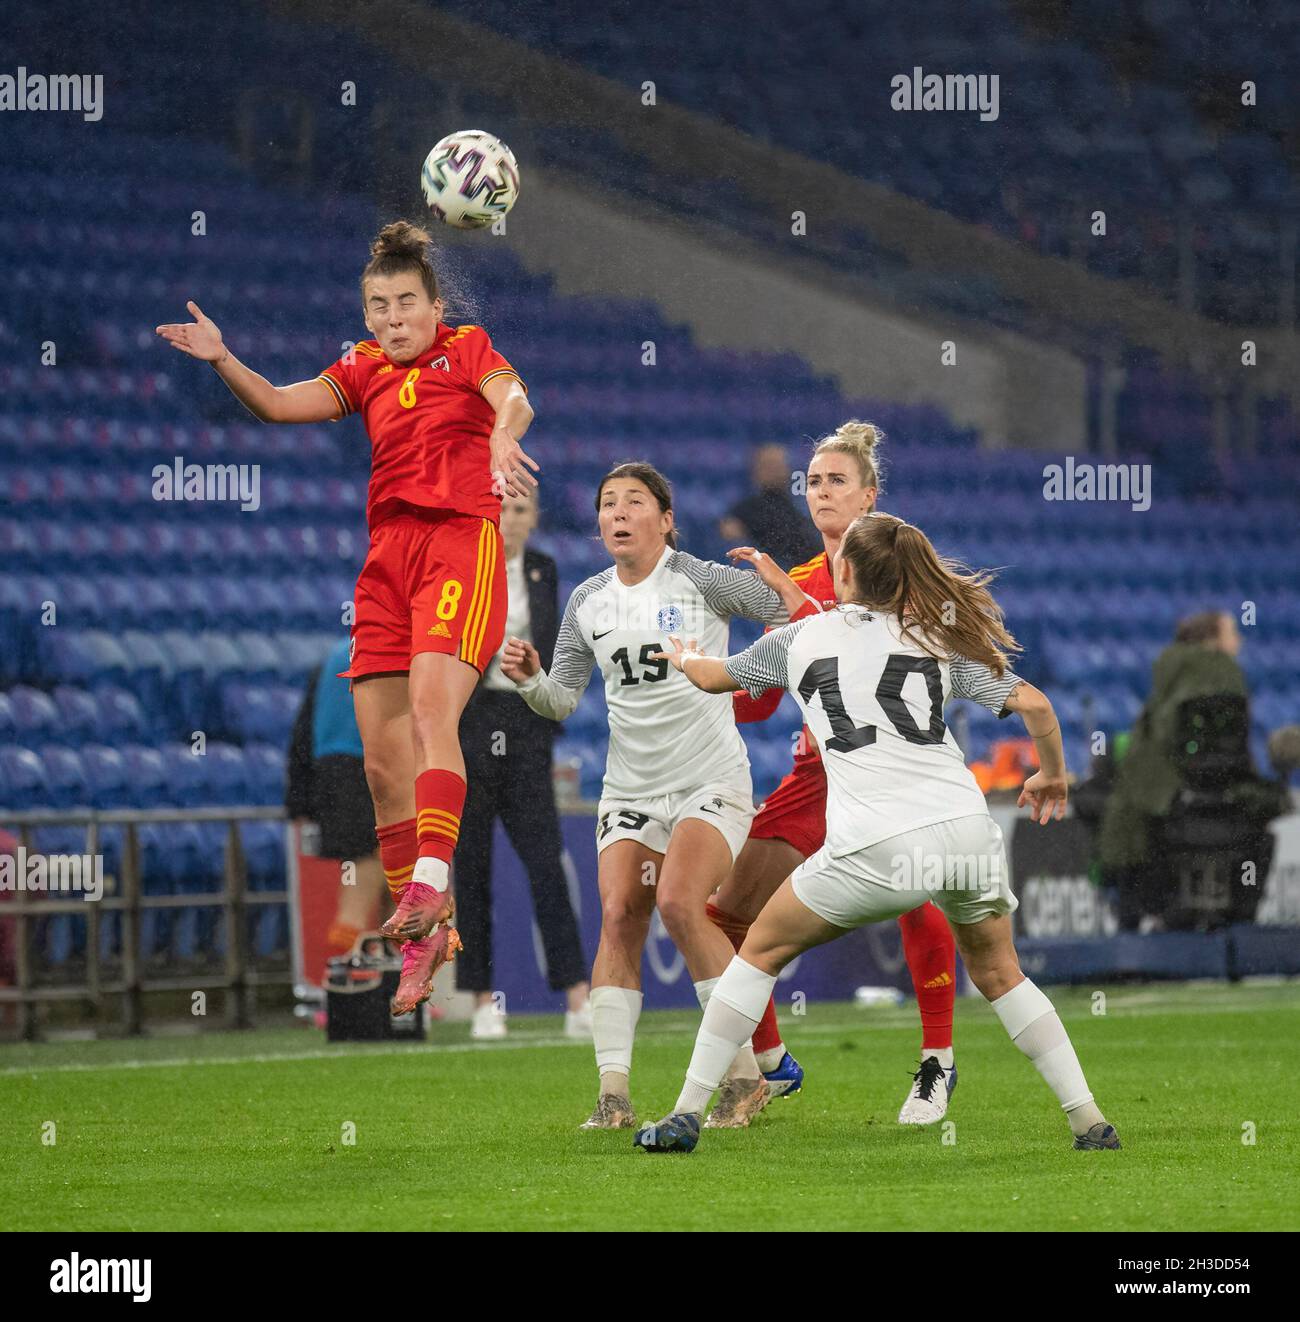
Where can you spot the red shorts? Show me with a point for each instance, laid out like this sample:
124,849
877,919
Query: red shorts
796,810
433,581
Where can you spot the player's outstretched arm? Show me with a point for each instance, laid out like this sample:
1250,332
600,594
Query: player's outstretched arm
1046,790
796,601
705,672
304,401
798,606
546,695
514,414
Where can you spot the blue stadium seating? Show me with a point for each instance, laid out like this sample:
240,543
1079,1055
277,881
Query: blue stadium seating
173,619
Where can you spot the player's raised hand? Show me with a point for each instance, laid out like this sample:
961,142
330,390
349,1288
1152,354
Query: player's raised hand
772,574
1046,795
510,465
767,569
520,660
680,651
199,338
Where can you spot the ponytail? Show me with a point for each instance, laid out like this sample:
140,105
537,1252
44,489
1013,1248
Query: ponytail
939,601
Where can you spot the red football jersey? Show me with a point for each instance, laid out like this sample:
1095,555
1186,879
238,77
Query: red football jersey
814,576
427,421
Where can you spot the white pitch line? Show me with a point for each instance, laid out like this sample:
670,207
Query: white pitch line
360,1052
266,1058
1141,1005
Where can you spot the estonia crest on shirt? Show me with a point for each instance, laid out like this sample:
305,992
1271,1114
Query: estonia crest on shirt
669,619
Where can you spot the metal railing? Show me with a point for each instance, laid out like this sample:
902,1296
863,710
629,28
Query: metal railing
239,980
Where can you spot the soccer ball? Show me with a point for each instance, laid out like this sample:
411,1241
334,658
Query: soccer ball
469,179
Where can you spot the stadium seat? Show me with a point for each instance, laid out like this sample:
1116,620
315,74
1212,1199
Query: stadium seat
266,773
66,778
148,777
23,781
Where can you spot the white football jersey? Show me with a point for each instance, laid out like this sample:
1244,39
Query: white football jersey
874,701
665,735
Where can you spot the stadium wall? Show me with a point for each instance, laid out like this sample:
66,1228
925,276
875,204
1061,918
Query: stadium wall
1067,932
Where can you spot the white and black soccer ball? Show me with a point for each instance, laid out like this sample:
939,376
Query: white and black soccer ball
469,179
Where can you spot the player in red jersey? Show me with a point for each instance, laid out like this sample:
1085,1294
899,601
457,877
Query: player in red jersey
843,482
445,414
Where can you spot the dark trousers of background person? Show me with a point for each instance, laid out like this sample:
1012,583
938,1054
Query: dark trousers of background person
513,783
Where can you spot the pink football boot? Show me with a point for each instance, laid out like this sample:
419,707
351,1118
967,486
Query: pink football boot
420,961
419,911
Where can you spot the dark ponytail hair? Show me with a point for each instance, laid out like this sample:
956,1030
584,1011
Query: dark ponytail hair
650,477
897,570
400,247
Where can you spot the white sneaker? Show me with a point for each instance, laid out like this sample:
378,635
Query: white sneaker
577,1023
927,1099
488,1023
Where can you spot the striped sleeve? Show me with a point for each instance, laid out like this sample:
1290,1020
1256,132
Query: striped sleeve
573,660
479,360
336,389
556,693
764,664
341,376
801,573
729,591
974,680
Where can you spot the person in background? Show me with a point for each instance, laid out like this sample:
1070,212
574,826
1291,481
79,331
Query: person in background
508,753
326,784
1201,662
769,517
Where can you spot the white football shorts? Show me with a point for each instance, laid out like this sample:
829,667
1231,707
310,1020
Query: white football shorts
727,804
959,864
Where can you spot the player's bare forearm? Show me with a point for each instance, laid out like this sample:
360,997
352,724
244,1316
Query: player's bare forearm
1042,726
304,401
515,413
708,673
798,603
254,392
705,672
793,597
512,468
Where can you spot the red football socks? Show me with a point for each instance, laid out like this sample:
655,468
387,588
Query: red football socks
397,852
931,959
439,801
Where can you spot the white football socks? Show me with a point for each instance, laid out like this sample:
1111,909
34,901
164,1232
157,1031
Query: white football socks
942,1054
1034,1026
734,1008
614,1012
433,872
745,1065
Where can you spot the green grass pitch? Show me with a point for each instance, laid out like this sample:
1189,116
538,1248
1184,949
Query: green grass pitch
246,1131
